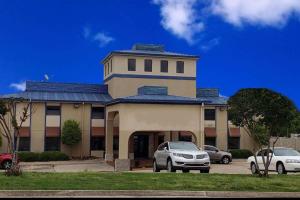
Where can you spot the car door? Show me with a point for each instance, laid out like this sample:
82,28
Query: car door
211,152
259,159
165,154
158,155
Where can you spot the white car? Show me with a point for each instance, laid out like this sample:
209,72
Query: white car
183,156
284,160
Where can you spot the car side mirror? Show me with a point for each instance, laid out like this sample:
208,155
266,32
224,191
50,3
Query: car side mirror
165,149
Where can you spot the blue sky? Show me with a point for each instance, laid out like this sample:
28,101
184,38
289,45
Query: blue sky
242,43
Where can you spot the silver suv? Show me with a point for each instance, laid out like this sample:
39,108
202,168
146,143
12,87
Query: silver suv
216,155
183,156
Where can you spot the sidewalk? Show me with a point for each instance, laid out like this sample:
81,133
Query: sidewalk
96,165
144,193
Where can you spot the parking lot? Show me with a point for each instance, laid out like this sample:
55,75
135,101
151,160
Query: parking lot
236,167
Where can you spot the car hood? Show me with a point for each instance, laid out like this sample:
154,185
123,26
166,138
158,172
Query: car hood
187,152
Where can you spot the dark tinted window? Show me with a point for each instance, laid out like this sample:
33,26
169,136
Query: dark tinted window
98,113
24,144
233,142
53,110
161,147
210,148
52,144
97,143
161,139
131,64
148,65
116,143
180,67
210,114
185,138
210,141
164,66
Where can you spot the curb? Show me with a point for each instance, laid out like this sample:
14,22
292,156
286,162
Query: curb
140,193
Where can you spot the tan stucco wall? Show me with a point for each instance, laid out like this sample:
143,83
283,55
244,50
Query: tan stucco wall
221,128
120,66
38,127
121,87
81,115
155,117
246,142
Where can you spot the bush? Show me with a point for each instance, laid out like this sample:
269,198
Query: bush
240,153
53,156
28,156
42,157
71,133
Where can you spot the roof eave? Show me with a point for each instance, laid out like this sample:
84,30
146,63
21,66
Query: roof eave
146,54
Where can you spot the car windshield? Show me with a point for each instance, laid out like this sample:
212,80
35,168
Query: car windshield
183,146
286,152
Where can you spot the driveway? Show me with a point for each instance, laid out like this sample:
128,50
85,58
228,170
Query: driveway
239,166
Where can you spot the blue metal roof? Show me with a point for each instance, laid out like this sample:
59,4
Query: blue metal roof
153,90
33,86
163,99
149,50
68,92
75,92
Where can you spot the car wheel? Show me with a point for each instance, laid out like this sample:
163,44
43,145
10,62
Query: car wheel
225,160
253,168
204,171
170,166
6,164
155,168
281,169
185,171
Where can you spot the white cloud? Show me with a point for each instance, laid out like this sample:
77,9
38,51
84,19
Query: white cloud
103,39
210,44
180,18
18,86
273,13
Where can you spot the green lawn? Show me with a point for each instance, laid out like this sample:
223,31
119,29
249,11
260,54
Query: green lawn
149,181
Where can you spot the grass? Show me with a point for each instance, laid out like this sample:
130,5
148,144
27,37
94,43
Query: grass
149,181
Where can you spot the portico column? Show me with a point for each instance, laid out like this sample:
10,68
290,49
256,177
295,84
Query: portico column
123,162
109,136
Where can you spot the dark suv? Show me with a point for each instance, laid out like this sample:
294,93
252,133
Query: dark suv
216,155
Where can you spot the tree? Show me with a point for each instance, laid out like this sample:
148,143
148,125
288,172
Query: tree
10,127
264,114
71,133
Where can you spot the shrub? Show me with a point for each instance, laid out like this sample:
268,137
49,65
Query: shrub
28,156
71,133
53,156
42,157
240,153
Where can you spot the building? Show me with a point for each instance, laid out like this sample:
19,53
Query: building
149,96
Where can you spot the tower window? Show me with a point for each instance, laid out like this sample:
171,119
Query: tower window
180,67
148,65
164,66
131,64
